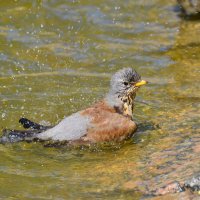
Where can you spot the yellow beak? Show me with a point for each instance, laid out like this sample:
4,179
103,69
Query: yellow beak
140,83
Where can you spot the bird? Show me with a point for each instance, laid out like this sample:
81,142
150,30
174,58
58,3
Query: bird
110,119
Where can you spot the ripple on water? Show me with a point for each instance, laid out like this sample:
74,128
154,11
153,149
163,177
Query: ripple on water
58,56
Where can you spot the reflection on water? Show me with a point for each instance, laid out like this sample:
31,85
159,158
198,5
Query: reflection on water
56,57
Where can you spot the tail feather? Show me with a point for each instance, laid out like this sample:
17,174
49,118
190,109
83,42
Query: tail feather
11,136
30,124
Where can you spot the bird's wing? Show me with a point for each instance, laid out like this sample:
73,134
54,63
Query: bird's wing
70,128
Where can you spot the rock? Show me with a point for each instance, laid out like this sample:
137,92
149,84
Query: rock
189,7
193,184
173,187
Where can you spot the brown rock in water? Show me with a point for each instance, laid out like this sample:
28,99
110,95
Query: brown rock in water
170,188
190,187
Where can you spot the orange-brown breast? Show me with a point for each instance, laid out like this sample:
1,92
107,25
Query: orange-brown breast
107,124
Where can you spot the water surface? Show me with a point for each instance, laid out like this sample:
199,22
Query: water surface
56,57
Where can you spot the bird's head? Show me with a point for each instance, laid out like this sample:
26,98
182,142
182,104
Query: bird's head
123,87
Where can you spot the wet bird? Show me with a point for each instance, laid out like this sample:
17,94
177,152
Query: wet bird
107,120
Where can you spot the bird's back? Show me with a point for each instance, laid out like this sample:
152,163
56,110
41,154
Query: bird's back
107,124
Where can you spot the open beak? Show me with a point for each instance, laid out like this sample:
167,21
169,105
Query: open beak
140,83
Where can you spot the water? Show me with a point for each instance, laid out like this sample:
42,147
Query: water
56,57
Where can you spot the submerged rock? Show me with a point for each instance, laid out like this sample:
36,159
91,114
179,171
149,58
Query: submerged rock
189,7
173,187
193,184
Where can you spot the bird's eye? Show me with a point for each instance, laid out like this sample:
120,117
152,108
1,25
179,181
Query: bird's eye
125,83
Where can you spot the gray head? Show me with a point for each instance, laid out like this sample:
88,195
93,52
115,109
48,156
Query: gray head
122,80
123,86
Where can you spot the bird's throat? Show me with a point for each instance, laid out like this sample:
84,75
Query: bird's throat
122,104
128,110
128,105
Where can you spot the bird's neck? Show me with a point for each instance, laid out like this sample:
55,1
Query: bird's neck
123,105
128,106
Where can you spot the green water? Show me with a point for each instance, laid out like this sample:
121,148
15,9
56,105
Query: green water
56,57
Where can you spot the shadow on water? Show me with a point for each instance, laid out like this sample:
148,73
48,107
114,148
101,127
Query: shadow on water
193,17
147,126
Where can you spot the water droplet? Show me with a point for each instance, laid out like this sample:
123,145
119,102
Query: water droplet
3,115
117,7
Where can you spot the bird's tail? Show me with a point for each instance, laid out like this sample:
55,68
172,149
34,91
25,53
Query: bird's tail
10,136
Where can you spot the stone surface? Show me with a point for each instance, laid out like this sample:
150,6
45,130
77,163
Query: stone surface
189,7
193,183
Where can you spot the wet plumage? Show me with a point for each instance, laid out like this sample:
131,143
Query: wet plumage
107,120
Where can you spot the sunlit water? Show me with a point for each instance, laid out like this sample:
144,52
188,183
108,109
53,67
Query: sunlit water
56,57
